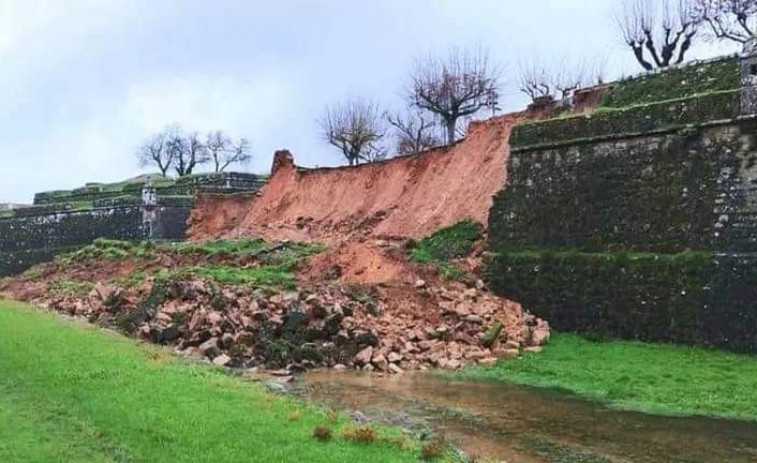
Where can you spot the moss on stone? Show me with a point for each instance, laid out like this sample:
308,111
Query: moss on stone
674,83
632,120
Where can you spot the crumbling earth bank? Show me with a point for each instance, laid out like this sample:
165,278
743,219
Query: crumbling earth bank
410,196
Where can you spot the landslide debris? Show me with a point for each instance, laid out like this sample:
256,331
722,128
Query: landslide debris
293,305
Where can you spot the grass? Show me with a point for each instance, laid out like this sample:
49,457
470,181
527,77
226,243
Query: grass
222,247
265,277
661,379
105,249
449,243
74,393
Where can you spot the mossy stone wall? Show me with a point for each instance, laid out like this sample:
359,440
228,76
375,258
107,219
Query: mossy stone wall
668,193
689,298
650,236
26,241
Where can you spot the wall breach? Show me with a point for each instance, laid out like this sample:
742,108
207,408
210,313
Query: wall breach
410,196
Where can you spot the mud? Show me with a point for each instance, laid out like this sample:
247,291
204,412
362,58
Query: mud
525,425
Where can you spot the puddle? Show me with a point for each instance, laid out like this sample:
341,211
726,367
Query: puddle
524,425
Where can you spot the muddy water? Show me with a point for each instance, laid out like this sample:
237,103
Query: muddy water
523,425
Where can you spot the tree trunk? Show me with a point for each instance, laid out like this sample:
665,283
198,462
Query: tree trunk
451,124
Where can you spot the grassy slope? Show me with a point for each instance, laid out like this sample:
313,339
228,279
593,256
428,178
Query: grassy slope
72,393
652,378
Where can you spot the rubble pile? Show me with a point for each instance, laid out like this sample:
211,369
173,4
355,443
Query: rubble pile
389,328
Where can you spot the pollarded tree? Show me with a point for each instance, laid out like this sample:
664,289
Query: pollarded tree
455,86
224,152
734,20
155,152
659,32
413,131
560,81
356,128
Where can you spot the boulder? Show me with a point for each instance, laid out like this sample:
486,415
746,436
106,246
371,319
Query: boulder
364,356
222,360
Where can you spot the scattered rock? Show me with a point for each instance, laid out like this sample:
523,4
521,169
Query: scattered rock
364,356
222,360
395,369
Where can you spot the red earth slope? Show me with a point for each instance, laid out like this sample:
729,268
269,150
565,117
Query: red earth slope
406,197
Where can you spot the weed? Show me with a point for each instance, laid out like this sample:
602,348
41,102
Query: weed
295,416
322,434
333,417
134,279
433,450
360,435
491,335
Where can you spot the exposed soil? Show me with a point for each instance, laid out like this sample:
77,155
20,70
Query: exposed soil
410,196
360,304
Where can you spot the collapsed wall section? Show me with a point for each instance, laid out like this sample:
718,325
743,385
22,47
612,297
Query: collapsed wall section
410,196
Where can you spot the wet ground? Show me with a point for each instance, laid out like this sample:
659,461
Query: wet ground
523,425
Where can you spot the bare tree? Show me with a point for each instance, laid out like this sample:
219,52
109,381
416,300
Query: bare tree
414,132
186,150
223,152
455,86
356,129
734,20
535,81
659,32
561,82
154,151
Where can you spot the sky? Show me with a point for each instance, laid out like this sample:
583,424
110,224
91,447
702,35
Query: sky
84,82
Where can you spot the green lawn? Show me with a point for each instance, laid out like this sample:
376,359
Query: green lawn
69,392
652,378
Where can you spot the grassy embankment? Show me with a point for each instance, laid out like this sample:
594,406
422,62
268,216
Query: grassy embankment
74,393
447,244
662,379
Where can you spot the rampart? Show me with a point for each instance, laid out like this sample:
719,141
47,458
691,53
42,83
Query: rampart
640,219
139,209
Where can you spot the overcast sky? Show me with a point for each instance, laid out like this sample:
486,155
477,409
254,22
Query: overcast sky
83,82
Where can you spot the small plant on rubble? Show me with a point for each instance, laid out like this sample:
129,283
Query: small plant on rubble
360,435
491,335
433,450
322,434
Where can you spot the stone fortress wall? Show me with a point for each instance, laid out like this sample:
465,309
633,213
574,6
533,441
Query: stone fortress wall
639,220
155,209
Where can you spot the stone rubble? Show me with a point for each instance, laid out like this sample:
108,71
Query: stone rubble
327,326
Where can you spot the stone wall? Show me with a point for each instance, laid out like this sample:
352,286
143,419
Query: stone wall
64,220
25,241
691,189
638,222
